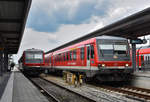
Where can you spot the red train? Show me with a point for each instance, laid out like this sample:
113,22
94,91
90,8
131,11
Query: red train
143,58
31,61
106,58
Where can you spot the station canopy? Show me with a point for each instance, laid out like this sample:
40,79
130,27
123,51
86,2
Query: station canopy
13,15
131,27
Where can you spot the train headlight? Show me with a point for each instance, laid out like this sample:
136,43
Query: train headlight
127,65
103,65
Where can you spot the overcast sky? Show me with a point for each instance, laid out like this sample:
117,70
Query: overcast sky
52,23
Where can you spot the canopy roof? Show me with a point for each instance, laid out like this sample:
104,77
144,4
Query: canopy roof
13,15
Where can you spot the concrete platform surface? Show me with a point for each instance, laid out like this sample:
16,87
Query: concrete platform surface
3,82
20,89
142,74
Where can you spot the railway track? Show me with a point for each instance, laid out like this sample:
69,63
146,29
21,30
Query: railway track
135,92
49,95
58,93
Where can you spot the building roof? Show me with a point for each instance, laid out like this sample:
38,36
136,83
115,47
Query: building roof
13,15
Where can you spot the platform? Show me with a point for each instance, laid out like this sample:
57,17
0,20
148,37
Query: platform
3,82
142,74
141,79
20,89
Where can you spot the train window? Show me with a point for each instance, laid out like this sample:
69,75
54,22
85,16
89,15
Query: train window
92,51
148,59
142,60
56,58
88,52
59,59
70,55
64,57
50,60
74,55
82,53
67,55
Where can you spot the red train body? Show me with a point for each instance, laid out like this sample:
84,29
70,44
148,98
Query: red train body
143,58
31,61
106,58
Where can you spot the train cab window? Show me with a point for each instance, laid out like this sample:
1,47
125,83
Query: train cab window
74,54
92,51
70,55
82,53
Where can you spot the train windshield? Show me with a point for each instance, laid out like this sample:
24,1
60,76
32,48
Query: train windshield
113,50
34,57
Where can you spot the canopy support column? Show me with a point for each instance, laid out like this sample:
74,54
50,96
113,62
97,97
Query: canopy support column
134,56
1,62
6,61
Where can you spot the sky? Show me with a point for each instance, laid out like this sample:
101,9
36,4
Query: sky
52,23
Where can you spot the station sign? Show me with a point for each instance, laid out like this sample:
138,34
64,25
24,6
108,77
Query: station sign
138,41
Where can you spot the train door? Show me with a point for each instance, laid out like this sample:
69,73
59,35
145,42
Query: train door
88,63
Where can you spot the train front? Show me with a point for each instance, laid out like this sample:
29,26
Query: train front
114,62
33,60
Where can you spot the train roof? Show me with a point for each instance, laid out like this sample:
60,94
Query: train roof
143,47
91,40
110,37
33,49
